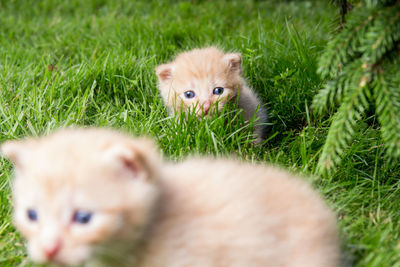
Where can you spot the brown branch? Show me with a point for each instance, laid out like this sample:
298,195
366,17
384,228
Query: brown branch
344,8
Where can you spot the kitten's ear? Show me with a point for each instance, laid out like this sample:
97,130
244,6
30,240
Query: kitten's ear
138,158
164,72
234,61
16,151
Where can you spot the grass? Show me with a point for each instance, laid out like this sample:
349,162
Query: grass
92,63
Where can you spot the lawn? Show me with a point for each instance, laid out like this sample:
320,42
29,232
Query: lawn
91,63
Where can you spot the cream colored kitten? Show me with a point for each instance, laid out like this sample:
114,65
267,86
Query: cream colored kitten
99,197
202,79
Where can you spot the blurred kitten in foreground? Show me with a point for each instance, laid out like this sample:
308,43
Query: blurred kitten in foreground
203,79
99,197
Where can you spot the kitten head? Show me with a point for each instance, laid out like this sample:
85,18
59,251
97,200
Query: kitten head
78,190
200,80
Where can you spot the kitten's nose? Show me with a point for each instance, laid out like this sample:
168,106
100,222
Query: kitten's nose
52,250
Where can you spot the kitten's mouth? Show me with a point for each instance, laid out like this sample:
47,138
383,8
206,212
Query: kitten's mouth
207,112
203,114
65,262
61,263
56,263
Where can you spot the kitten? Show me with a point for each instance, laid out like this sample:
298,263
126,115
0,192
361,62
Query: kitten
203,79
99,197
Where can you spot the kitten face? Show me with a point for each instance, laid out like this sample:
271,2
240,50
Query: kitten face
74,194
201,80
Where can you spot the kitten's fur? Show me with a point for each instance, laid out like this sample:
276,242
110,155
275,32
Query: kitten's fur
201,212
202,70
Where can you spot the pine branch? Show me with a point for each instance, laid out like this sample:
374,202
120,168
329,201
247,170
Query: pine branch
382,36
387,99
344,47
363,62
344,123
332,94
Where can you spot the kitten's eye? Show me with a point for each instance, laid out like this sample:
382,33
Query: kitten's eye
189,94
218,91
32,215
82,217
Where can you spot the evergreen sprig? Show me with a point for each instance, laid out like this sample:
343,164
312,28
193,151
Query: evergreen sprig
362,67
